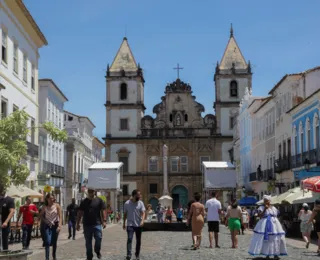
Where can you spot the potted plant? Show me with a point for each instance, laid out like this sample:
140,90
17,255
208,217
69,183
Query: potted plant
13,149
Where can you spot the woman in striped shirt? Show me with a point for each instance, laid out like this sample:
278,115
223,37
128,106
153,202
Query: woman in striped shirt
51,217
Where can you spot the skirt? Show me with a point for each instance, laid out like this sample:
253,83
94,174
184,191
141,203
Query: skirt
306,227
270,243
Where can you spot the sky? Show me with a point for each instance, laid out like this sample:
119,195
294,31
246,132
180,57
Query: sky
278,37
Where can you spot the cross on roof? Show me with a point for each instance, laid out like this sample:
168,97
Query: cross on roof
178,68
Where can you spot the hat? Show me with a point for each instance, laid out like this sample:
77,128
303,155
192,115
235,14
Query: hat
267,197
305,205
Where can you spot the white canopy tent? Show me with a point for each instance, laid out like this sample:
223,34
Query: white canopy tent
22,191
219,175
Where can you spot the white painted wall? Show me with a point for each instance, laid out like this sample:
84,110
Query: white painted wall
131,186
226,146
225,121
312,82
132,116
225,89
114,148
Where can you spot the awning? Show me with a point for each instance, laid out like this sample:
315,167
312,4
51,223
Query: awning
283,196
247,201
293,196
307,197
22,191
312,183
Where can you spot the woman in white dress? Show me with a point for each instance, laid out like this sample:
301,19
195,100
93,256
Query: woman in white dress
269,237
305,227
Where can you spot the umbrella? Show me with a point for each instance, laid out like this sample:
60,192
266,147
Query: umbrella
283,196
22,191
294,196
312,183
307,197
247,201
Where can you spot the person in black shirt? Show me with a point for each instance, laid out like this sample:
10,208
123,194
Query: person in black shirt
72,217
7,209
94,213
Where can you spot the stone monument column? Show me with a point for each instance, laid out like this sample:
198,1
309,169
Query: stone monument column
165,170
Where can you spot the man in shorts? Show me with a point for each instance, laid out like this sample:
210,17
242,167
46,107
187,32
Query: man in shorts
213,209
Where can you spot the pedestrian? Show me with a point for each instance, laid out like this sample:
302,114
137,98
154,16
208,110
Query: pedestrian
189,220
94,213
52,218
234,215
72,211
213,209
180,213
28,211
149,213
160,210
169,215
245,219
134,215
305,227
269,237
316,217
7,208
196,214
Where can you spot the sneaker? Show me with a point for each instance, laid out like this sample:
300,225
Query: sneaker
307,245
128,258
99,255
73,238
69,237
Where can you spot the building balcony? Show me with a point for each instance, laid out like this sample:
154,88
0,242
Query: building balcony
32,150
52,169
313,156
253,177
283,164
178,132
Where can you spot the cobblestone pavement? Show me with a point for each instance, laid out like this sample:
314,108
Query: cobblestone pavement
170,246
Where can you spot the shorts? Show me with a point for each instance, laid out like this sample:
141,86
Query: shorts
306,227
213,226
169,218
234,224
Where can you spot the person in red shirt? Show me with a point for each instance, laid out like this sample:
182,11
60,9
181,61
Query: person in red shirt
27,211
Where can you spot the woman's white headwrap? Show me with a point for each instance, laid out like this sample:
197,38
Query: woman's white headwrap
267,197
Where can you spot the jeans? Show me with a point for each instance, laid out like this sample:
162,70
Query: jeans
72,225
26,235
43,232
160,218
89,233
5,237
51,237
130,231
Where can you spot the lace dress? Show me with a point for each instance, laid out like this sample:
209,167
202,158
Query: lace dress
269,237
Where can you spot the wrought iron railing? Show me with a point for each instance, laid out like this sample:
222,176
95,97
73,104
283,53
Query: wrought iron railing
253,177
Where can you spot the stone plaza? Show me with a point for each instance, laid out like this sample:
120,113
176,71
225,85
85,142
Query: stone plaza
168,246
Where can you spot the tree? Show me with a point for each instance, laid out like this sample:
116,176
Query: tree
13,147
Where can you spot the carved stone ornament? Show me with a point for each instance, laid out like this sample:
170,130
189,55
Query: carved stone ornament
178,86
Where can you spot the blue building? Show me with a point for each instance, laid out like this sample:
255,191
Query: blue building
305,137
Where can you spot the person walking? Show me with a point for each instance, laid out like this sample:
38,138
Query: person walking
28,211
315,217
169,215
180,213
72,211
134,215
94,213
245,219
234,215
305,227
213,209
159,211
196,214
269,237
52,218
189,220
7,208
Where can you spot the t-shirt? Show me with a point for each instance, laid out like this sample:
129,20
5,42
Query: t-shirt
72,212
92,211
213,205
6,204
26,214
134,211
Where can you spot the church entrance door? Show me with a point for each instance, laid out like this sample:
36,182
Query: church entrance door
179,196
154,203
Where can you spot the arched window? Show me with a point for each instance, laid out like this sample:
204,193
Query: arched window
308,135
186,118
123,91
295,141
233,89
301,138
316,132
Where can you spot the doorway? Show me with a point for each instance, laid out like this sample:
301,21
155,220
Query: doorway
179,196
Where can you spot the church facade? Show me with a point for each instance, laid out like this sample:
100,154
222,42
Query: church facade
179,121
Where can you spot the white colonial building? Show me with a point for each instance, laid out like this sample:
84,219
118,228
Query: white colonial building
78,152
97,150
20,39
51,104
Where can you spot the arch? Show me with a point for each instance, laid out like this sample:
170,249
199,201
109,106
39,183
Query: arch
233,88
308,134
154,203
123,91
301,135
180,196
316,131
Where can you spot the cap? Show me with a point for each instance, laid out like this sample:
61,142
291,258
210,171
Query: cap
305,205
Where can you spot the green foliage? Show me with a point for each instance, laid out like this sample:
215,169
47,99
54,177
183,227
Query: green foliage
13,147
103,198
